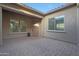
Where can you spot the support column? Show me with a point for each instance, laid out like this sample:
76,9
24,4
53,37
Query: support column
0,25
78,23
77,29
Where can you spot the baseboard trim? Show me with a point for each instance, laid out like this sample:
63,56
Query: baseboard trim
60,40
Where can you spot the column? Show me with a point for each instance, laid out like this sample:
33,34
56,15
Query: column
0,26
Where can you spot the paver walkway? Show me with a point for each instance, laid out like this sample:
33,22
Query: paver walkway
34,46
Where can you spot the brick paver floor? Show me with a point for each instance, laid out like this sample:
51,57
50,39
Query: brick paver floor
36,46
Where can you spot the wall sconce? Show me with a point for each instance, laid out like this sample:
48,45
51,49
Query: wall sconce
37,25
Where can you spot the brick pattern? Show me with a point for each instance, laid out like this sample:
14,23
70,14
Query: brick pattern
34,46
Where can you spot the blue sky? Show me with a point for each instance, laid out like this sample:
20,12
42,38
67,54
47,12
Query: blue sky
44,7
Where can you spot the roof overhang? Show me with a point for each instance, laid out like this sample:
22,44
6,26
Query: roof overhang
61,8
30,8
36,13
20,11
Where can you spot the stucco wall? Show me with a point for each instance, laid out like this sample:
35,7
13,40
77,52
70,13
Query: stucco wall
70,25
0,25
11,15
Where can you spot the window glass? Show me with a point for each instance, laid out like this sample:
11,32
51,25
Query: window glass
22,26
14,25
59,23
51,24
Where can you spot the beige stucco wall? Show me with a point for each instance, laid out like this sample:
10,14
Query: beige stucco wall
0,26
70,25
11,15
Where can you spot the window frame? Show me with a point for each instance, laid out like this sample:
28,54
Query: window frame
55,24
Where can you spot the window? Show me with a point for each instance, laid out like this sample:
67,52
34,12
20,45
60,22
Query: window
22,26
51,24
14,25
17,26
56,23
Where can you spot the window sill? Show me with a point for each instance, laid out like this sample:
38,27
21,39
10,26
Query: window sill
17,32
58,31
